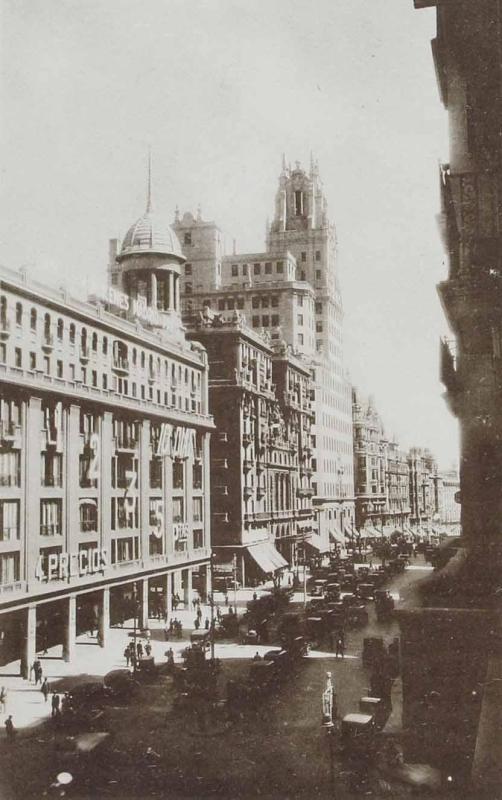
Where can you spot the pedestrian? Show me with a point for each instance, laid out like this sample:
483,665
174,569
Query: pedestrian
10,729
340,646
255,596
194,603
170,656
257,656
45,689
206,624
139,649
3,699
196,623
180,630
38,673
218,613
148,649
55,704
226,598
199,612
127,655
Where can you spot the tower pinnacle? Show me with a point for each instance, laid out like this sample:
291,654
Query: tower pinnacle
149,182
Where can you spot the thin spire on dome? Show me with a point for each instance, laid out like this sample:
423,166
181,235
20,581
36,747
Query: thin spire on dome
149,183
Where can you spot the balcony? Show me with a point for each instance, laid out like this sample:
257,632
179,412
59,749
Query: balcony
247,492
10,433
246,439
48,343
247,465
53,529
84,353
306,492
120,365
4,329
88,526
126,444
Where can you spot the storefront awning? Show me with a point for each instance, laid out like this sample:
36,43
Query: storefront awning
336,535
349,531
267,557
315,543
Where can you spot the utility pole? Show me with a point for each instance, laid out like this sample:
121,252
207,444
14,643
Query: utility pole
211,602
135,602
234,573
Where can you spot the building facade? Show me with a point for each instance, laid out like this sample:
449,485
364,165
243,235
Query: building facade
291,291
423,477
261,454
448,500
382,478
104,452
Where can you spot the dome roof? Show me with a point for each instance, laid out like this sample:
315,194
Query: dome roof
151,234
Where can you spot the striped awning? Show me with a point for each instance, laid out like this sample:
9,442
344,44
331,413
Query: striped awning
267,557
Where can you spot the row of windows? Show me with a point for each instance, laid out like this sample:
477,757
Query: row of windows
266,321
121,351
268,268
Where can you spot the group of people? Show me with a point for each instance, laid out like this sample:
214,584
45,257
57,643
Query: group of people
133,654
173,629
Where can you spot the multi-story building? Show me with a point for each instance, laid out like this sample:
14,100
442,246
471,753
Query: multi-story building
261,490
423,479
292,291
397,480
104,451
381,472
447,500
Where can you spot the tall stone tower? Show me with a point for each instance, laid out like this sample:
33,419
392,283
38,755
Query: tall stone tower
301,226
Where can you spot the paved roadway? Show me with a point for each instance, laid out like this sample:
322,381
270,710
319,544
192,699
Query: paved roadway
276,750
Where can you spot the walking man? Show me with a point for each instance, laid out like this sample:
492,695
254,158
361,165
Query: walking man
340,646
3,700
10,729
55,703
45,689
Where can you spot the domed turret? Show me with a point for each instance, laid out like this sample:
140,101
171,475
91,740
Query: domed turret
149,265
150,234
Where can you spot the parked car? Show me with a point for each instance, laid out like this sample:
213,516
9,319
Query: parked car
122,684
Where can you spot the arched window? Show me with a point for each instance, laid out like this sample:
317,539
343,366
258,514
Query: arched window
143,359
19,313
33,319
47,324
60,329
105,345
134,356
72,332
83,338
94,342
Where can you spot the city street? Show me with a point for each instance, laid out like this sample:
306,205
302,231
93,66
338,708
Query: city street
276,749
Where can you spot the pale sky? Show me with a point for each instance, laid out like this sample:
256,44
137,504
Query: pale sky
220,88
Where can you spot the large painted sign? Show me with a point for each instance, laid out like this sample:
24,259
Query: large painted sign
138,306
61,566
176,441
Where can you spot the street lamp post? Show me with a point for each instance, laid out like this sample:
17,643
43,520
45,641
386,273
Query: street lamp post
329,726
135,633
211,603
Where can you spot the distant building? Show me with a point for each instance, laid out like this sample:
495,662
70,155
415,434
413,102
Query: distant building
423,493
448,500
381,470
291,291
261,454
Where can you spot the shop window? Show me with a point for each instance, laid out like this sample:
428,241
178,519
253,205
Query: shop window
9,568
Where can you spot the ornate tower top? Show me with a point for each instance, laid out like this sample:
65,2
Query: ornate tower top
300,203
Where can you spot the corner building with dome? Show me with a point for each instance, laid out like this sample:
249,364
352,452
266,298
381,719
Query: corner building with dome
104,452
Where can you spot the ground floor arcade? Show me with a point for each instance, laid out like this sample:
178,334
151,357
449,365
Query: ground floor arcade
34,626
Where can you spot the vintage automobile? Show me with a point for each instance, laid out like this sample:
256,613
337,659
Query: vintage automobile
384,604
317,587
332,591
201,638
122,684
357,615
373,650
365,591
358,735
